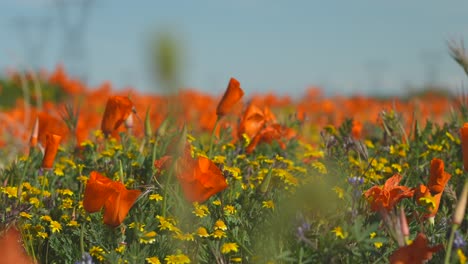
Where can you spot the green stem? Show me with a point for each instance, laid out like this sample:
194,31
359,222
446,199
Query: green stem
212,138
166,186
82,239
450,243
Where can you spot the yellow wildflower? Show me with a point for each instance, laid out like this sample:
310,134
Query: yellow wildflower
25,215
217,202
229,247
200,210
153,260
461,256
97,252
339,191
156,197
55,226
184,236
34,201
201,232
268,204
219,233
229,210
73,223
372,235
42,235
378,244
148,238
121,248
339,232
220,225
11,191
177,259
46,218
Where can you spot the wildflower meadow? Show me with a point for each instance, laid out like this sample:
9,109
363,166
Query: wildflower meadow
100,175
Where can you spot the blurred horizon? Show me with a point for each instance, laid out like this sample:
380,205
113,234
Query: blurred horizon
362,47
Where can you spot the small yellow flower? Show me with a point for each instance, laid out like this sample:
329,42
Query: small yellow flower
200,210
153,260
156,197
372,235
201,232
217,202
235,259
184,236
82,178
34,201
229,247
268,204
46,193
25,215
66,192
97,252
339,191
73,223
177,259
148,238
219,233
10,191
55,226
140,227
42,235
67,203
229,210
220,225
120,249
339,232
46,218
461,256
378,244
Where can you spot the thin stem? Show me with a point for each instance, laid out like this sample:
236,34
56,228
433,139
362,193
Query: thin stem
450,243
212,137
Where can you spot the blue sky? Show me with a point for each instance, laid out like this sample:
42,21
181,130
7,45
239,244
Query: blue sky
268,45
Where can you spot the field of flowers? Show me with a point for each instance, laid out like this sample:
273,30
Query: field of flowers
96,175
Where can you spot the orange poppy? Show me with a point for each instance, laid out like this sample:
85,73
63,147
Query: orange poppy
118,108
438,177
119,203
387,196
11,248
274,132
437,181
102,192
231,96
51,148
416,252
49,124
96,192
252,121
464,144
422,191
199,177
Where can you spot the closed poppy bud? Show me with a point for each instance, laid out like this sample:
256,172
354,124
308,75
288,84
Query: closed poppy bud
118,108
461,206
464,144
232,95
438,177
52,144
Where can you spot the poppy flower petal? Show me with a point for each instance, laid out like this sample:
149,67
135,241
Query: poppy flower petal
97,192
